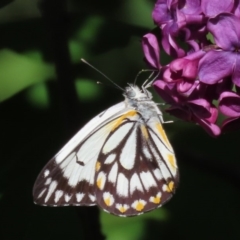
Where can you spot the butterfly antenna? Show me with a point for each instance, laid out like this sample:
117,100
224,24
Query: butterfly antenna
145,70
148,82
84,61
108,85
135,80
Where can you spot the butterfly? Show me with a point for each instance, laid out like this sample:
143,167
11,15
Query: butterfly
121,160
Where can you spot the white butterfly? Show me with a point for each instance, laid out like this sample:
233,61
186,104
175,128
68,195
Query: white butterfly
121,160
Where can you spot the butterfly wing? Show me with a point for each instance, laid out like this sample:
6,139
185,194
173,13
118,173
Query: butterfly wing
137,169
68,178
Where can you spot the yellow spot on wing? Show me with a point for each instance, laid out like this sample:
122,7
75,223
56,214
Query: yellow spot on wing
122,209
101,180
155,200
171,160
98,165
170,186
119,121
139,206
163,134
107,201
100,183
144,131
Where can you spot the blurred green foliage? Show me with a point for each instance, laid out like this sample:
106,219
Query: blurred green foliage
130,228
33,129
19,71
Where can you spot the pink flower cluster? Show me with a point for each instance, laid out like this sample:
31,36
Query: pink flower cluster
203,79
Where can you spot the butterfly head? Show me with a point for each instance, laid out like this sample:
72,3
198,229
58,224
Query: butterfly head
135,93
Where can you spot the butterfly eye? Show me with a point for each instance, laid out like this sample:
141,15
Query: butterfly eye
130,93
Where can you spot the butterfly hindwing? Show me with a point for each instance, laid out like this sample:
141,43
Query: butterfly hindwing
132,175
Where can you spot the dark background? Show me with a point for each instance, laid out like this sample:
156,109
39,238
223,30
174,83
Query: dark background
46,94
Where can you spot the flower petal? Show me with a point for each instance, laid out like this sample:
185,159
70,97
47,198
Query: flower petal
151,50
161,13
214,7
183,86
218,26
214,115
230,124
236,70
188,65
191,7
211,128
215,65
229,104
200,107
237,9
169,43
164,90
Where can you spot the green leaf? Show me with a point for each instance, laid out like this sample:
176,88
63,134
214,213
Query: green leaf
18,72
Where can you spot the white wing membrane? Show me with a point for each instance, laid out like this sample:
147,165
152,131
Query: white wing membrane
91,126
113,141
128,152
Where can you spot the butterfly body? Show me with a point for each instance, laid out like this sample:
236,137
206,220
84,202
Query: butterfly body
121,160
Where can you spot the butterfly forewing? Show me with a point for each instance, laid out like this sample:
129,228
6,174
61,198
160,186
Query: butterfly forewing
68,178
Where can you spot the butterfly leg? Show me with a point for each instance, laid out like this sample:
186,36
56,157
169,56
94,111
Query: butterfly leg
171,121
